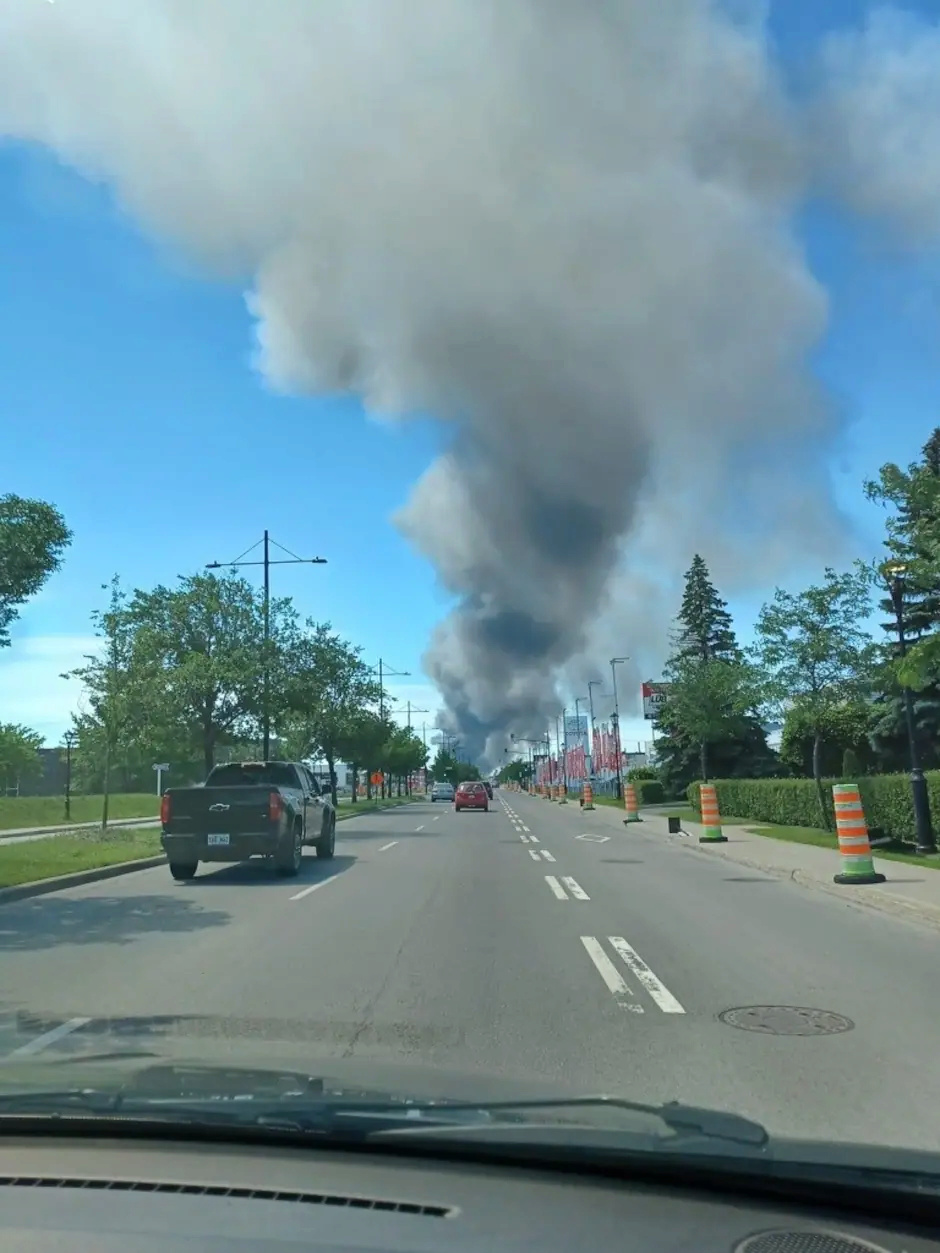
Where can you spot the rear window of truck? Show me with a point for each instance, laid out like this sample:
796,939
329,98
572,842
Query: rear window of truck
250,775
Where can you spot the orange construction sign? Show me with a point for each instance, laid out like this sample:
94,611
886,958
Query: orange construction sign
377,778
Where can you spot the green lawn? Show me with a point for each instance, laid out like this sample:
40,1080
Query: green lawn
49,811
687,814
827,839
32,860
348,810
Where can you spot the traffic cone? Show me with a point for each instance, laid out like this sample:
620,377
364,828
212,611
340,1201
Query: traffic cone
588,796
630,803
711,819
854,844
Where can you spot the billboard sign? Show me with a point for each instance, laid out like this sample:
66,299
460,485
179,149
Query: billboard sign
655,696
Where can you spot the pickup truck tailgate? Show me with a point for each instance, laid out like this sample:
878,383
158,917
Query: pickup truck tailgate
230,811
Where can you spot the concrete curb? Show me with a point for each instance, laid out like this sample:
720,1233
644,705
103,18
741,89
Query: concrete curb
76,828
42,887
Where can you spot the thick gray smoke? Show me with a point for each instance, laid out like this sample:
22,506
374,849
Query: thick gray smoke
563,227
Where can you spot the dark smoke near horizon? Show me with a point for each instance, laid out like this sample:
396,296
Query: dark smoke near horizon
566,229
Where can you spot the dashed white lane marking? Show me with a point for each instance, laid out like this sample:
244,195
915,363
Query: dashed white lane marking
533,854
524,827
610,974
386,847
438,818
575,888
556,887
653,984
49,1037
314,887
421,828
533,839
524,839
546,854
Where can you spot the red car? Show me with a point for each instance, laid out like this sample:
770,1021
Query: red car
471,796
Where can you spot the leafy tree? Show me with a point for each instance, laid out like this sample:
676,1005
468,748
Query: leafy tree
710,702
362,742
204,641
19,755
33,539
843,727
402,754
816,654
446,768
328,687
517,771
912,500
118,688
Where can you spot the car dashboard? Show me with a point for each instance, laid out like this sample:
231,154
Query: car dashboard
100,1196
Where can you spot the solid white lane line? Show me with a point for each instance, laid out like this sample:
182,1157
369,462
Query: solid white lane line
556,887
49,1037
546,854
610,974
575,888
314,887
653,984
533,854
385,847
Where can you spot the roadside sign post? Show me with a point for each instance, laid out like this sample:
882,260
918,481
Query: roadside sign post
159,767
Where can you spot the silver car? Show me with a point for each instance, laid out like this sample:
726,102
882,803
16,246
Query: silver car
442,792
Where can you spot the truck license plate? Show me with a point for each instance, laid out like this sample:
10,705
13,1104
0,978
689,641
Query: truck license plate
218,839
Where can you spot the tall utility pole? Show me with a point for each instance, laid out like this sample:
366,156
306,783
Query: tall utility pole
413,710
614,663
290,560
383,671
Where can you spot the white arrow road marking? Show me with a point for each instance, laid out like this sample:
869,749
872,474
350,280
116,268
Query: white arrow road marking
575,888
610,974
556,887
653,984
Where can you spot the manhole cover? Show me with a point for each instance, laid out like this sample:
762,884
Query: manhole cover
786,1020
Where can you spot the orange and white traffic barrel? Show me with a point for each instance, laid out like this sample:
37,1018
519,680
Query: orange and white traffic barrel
630,803
588,795
857,865
711,818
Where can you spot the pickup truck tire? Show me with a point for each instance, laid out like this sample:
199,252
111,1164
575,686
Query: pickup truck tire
183,871
326,845
288,865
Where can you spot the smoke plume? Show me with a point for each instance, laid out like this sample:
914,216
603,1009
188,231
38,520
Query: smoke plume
563,228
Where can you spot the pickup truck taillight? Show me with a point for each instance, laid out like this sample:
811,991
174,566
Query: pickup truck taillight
165,807
275,806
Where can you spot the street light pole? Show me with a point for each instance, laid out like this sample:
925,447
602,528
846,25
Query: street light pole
564,752
614,663
923,826
291,560
70,738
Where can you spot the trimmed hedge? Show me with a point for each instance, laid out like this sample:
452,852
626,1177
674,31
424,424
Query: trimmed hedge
886,799
649,791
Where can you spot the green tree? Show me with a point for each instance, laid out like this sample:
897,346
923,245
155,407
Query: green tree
327,688
403,753
845,727
704,629
911,498
710,703
815,653
33,540
361,744
204,643
118,687
445,768
516,771
19,755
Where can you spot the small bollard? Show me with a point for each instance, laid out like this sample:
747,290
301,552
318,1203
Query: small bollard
675,824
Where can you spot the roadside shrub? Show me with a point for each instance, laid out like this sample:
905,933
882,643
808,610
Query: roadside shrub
649,791
642,772
886,799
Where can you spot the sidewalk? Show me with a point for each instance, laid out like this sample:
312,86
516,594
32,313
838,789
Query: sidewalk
69,828
909,891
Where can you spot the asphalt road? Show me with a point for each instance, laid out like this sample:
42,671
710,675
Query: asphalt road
502,943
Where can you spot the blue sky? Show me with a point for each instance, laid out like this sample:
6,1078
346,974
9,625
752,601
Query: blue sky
129,399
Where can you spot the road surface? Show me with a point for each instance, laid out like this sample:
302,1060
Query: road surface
505,943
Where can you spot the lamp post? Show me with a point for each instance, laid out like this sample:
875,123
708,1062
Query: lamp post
614,663
70,737
923,827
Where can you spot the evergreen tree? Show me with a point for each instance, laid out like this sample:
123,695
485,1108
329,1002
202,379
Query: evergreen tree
704,629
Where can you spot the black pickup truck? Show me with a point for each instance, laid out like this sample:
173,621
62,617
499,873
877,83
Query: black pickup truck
247,809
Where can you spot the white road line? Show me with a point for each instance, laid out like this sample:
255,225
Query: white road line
49,1037
533,854
556,887
656,988
575,888
314,887
386,847
533,839
438,818
546,854
610,974
421,828
524,827
524,839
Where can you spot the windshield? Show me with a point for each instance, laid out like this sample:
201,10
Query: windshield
525,398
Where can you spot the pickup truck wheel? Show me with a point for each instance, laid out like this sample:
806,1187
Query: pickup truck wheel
289,866
182,871
326,845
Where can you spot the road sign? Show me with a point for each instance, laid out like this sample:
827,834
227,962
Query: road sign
163,765
377,778
655,696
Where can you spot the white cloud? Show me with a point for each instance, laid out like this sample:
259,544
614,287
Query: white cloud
32,690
